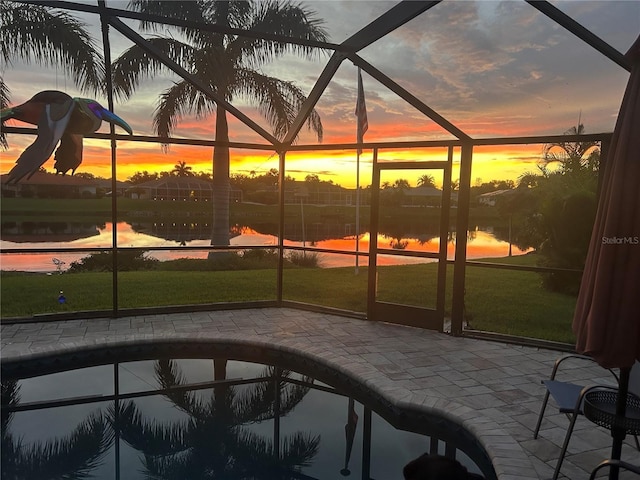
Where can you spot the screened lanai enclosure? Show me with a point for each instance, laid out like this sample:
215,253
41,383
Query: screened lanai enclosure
437,202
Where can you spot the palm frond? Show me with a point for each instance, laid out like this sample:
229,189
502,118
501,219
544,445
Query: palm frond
147,436
74,456
572,156
298,450
48,37
257,403
258,455
236,14
282,18
175,102
292,394
278,101
135,64
213,66
183,10
4,103
10,451
10,397
4,94
174,467
169,375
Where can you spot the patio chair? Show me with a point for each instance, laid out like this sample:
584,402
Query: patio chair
569,398
614,463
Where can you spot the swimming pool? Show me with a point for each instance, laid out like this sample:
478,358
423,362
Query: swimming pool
210,410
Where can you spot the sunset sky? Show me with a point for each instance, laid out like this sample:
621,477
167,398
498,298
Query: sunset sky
493,69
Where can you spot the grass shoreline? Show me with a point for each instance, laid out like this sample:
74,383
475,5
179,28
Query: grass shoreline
501,301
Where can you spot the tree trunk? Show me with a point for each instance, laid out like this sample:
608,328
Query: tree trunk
221,185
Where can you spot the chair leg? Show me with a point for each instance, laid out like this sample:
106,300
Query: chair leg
542,409
565,445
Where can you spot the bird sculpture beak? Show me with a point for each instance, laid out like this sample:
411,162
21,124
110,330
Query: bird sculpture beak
113,118
106,115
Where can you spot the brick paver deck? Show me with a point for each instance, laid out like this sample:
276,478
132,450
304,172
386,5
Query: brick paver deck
491,388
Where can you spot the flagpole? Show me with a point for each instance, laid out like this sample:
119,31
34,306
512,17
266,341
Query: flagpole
362,126
357,210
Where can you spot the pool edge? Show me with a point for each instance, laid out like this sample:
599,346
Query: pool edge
509,460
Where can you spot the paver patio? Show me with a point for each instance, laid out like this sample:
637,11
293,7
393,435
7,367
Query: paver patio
491,388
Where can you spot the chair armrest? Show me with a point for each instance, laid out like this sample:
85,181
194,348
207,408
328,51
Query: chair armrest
586,390
615,463
578,356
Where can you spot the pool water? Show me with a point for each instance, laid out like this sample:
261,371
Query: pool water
193,418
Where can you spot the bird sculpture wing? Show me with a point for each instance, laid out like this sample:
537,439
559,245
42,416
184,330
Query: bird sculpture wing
51,126
87,117
69,154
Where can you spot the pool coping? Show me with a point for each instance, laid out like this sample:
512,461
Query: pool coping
509,459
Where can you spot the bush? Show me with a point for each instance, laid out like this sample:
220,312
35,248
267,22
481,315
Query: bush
556,218
128,260
255,259
303,259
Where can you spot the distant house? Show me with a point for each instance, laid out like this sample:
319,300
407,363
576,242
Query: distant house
322,193
490,199
426,196
107,186
50,185
181,189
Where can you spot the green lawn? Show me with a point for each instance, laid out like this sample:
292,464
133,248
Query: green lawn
501,301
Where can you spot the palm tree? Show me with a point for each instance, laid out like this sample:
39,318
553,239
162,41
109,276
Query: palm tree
213,442
402,184
426,181
229,65
181,169
572,156
34,33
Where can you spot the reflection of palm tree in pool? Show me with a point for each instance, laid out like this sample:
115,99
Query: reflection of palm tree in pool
214,440
73,456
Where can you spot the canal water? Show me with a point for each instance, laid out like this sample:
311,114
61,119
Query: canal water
482,242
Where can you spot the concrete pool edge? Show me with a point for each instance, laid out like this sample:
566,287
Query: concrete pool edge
507,457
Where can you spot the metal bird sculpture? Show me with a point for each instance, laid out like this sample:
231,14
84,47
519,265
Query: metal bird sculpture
59,118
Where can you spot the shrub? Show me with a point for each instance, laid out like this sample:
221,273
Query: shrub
304,259
253,259
128,260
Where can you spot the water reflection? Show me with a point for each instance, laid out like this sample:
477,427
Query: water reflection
208,417
482,241
70,455
214,437
61,232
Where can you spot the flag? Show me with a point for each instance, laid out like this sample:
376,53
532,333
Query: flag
361,112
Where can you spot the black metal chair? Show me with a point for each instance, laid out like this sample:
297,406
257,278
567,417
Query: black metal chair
614,463
570,399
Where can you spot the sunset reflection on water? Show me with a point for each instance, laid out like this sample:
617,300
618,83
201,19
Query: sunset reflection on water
480,244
